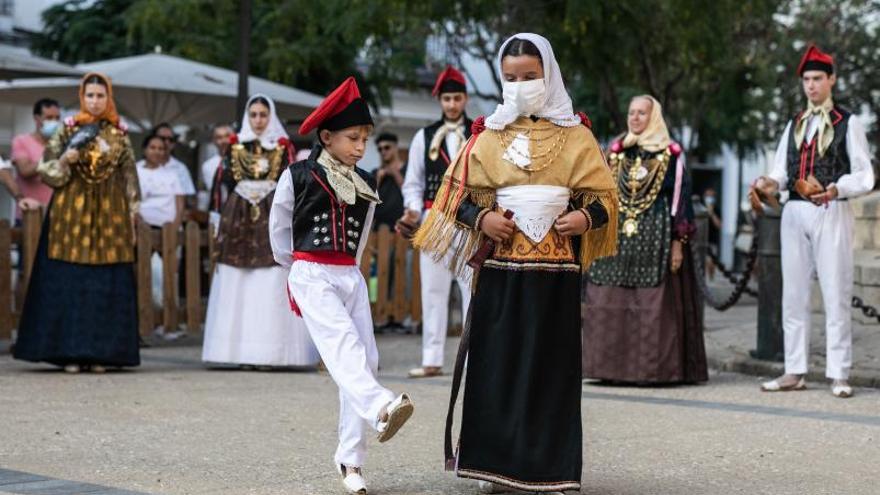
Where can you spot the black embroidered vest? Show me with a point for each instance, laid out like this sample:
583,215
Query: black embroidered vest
434,169
320,221
827,169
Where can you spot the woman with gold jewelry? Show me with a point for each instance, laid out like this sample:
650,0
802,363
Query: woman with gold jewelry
531,179
80,310
643,313
249,322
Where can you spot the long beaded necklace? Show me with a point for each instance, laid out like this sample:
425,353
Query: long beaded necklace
638,185
547,146
258,164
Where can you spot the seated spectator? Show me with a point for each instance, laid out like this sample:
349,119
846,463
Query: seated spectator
164,185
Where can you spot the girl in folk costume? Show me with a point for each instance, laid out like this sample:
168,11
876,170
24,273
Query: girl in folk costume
644,310
319,225
80,309
536,159
248,322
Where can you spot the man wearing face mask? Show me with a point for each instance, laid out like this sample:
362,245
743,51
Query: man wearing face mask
27,151
431,151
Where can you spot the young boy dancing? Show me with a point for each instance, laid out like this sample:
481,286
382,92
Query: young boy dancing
319,224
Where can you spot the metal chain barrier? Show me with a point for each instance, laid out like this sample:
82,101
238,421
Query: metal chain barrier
868,311
741,283
732,277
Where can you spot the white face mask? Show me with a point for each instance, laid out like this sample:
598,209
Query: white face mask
527,96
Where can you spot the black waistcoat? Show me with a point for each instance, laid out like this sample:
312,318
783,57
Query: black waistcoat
320,221
434,169
827,169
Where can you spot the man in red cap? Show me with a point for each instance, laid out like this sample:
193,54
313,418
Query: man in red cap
822,160
431,151
318,225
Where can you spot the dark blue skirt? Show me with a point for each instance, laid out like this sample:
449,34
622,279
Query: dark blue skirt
78,314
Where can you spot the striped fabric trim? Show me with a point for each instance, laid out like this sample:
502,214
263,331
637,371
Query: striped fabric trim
556,486
545,267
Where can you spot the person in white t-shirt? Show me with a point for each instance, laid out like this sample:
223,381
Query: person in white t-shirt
164,187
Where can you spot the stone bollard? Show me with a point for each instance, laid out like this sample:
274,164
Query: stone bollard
770,343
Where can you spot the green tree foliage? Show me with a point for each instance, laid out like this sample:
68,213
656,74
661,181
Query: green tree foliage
82,31
721,68
698,58
850,31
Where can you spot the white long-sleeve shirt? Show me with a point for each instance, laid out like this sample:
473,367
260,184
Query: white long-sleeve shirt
860,179
209,169
413,188
281,223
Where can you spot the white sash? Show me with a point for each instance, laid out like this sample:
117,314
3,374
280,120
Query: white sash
535,208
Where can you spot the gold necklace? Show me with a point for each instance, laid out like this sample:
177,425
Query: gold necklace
551,152
638,190
259,164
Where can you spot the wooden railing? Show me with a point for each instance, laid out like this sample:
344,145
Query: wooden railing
398,292
384,250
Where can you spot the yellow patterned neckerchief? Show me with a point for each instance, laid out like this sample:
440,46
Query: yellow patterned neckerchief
345,182
456,128
825,131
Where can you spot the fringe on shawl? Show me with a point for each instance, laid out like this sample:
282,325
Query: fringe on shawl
440,233
601,242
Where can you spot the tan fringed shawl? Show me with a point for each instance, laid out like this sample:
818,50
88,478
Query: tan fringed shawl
580,166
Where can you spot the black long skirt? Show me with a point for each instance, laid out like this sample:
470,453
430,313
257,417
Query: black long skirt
521,421
78,314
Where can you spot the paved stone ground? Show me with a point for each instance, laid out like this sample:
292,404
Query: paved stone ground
730,335
172,427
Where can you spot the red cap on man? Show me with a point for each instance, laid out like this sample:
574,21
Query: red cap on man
449,81
816,59
342,108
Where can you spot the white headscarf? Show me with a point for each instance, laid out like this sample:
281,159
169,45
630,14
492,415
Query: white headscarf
557,107
273,132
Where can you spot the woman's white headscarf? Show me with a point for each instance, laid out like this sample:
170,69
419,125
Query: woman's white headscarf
274,131
557,107
655,137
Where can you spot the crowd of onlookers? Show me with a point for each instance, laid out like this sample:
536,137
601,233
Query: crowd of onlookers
167,185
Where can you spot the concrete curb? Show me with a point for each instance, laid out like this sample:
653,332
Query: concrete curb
769,369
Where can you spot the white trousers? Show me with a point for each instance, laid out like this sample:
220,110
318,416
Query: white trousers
436,281
817,241
336,308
